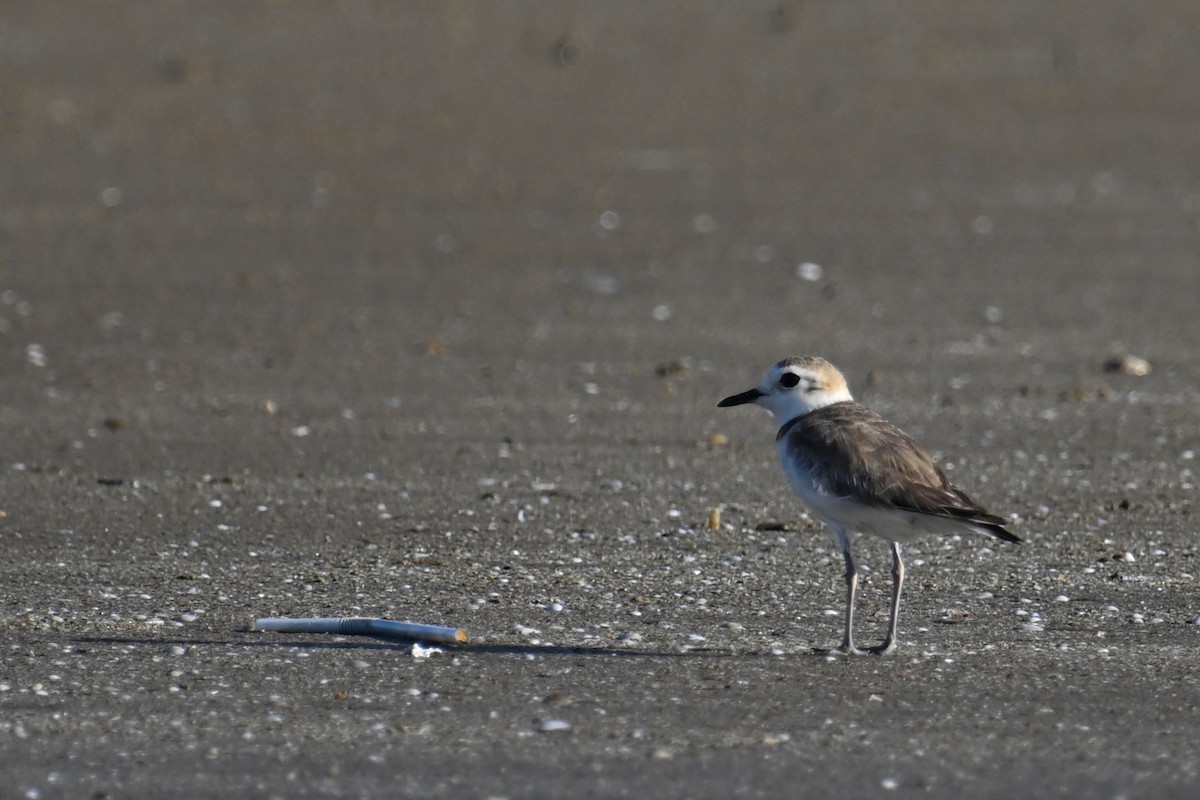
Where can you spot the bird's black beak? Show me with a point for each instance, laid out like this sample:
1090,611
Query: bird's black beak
748,396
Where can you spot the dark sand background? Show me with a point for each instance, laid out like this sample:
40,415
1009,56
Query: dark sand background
422,310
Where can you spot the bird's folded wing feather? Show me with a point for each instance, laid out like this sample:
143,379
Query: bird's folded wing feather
851,451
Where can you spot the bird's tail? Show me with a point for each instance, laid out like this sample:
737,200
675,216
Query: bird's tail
979,518
995,529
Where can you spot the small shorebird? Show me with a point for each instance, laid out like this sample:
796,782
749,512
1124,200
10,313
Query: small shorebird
859,473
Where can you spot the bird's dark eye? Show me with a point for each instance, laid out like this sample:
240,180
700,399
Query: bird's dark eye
788,380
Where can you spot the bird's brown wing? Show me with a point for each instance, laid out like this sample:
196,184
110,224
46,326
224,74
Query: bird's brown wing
853,452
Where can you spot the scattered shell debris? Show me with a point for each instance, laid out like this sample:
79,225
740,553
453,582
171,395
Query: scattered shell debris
420,650
1128,365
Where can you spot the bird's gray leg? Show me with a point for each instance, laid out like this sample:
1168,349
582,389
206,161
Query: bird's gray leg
851,587
889,641
847,646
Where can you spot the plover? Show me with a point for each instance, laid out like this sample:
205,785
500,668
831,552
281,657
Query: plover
859,473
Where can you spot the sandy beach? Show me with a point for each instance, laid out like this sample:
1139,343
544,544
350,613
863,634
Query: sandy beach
422,312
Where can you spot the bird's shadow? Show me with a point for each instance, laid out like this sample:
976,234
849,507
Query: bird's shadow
343,642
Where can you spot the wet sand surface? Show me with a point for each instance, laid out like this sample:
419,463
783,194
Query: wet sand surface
422,311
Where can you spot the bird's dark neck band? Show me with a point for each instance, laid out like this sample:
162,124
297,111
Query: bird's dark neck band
787,426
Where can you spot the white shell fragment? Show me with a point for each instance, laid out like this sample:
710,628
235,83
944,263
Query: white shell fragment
1128,365
420,650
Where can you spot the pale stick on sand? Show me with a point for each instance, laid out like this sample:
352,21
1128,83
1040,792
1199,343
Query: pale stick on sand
363,626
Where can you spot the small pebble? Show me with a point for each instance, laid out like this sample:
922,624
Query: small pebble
35,355
601,284
111,197
810,271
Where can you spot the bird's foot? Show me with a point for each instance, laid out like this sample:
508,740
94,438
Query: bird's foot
841,650
850,650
